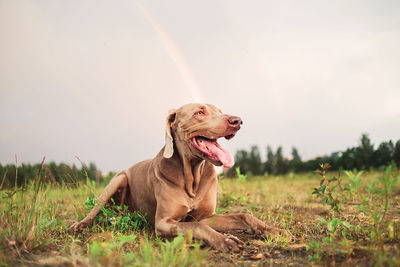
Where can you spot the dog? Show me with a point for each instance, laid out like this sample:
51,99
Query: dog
178,188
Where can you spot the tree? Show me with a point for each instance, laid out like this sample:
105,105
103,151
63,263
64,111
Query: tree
396,153
248,161
241,160
282,165
270,162
383,155
348,159
255,163
295,163
364,153
295,154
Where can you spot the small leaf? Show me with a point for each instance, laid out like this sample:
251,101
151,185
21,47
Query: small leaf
326,239
346,224
335,221
126,239
330,227
95,249
373,235
323,189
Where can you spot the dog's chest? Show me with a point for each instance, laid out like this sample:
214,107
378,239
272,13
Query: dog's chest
199,209
191,205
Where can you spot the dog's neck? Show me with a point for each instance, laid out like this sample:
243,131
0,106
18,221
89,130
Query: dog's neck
192,169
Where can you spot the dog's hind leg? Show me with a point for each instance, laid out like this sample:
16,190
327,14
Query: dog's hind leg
243,221
118,182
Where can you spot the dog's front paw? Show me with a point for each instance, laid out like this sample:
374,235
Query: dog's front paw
260,228
78,227
228,243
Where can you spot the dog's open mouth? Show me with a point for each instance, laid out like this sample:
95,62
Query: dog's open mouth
213,150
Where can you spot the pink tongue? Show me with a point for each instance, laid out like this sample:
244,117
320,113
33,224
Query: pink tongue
223,155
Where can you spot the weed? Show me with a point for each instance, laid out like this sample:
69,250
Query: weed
181,252
277,242
353,186
23,217
114,251
116,218
240,177
375,202
316,249
326,191
372,206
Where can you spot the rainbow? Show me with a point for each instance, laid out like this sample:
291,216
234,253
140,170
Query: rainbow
175,54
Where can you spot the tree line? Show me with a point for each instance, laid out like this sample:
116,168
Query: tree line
18,175
362,157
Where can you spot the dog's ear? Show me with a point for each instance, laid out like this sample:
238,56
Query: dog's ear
169,142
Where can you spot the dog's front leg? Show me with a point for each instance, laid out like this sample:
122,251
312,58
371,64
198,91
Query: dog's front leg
120,181
242,221
170,228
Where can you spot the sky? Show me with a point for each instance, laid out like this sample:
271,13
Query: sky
95,79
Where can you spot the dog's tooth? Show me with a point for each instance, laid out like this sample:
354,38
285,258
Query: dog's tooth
204,146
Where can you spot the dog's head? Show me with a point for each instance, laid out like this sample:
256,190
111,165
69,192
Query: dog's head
195,129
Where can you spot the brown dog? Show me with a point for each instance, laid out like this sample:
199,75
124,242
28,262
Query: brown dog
178,188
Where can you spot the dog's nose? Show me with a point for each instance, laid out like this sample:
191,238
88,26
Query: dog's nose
235,121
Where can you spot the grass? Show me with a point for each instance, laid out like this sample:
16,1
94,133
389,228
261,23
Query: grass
353,220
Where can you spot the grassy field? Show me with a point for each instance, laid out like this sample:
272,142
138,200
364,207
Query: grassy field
353,219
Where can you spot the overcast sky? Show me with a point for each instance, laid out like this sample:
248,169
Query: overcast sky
95,79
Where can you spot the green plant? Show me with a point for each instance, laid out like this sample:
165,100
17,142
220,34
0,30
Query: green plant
371,206
326,190
353,186
176,252
376,200
279,241
24,219
315,247
117,217
333,227
287,219
113,251
180,251
240,177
